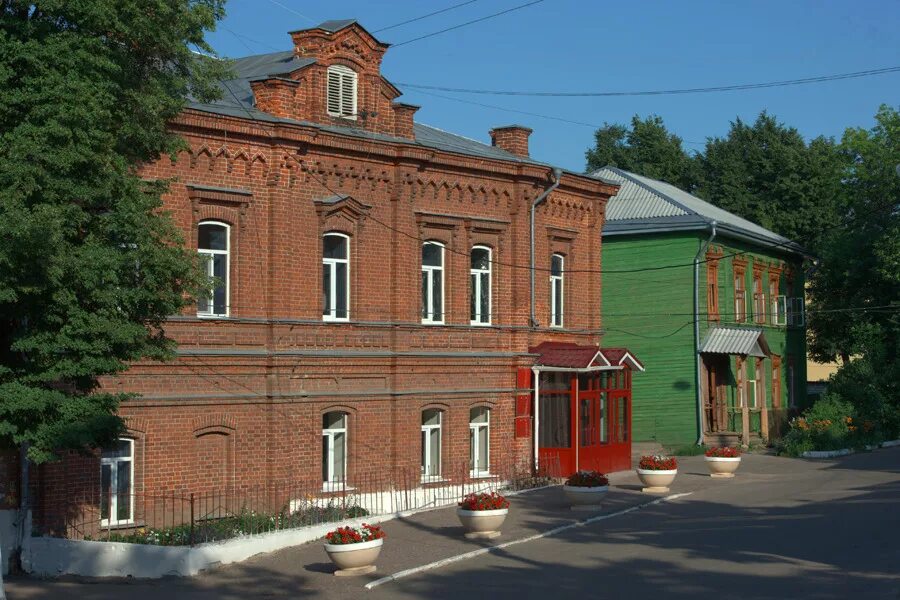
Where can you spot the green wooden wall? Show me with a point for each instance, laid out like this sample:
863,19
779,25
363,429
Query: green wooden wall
651,313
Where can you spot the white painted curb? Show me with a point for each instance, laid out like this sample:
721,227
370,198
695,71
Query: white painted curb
890,444
459,557
826,453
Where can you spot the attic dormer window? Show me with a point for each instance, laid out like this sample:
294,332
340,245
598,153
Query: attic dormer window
341,92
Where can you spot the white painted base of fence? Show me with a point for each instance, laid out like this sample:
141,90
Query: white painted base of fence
50,557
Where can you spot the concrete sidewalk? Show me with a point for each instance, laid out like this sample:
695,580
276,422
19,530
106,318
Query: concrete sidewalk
413,541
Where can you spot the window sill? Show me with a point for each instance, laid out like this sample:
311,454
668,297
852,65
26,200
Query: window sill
479,324
336,487
344,117
433,323
206,316
433,480
335,320
482,476
121,525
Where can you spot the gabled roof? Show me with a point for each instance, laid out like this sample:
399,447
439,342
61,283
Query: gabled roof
735,340
645,205
563,355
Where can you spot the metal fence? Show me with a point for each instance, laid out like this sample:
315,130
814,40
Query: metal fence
181,518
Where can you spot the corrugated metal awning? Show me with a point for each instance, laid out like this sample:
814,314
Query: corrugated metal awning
734,340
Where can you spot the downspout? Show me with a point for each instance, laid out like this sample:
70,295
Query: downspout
698,368
555,176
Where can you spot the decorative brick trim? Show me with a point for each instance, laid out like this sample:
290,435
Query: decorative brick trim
210,422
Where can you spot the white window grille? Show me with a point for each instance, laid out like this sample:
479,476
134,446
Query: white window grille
213,245
480,276
334,450
116,484
479,441
432,283
335,277
431,444
557,290
342,92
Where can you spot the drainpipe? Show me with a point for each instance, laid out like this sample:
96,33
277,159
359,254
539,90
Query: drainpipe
555,176
712,235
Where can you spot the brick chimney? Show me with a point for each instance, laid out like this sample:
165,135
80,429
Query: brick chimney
512,138
403,120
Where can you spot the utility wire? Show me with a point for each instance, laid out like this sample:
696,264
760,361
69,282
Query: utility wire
291,10
696,90
478,20
431,14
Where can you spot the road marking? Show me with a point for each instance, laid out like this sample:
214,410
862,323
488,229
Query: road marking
556,530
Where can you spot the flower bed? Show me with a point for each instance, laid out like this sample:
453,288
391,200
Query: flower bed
587,479
658,462
245,523
829,425
484,501
723,452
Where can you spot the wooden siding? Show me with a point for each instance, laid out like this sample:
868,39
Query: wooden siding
651,312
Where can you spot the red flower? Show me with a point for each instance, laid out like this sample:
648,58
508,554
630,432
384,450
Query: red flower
484,501
587,479
724,452
353,535
658,462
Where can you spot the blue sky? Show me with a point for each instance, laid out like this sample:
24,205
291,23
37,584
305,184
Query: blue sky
579,45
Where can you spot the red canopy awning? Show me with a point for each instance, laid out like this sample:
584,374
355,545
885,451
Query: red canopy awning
562,355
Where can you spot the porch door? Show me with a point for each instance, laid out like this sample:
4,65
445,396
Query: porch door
604,423
716,399
557,427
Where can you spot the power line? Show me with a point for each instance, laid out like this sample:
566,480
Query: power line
241,37
479,20
289,9
431,14
697,90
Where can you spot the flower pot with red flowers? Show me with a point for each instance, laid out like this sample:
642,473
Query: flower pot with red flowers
585,489
723,462
657,472
354,550
482,514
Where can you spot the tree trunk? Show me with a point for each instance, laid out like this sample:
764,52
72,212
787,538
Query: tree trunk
845,357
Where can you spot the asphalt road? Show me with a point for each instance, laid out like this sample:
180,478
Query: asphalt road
782,529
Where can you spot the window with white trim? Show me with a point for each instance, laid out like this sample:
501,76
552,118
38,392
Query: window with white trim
753,382
335,277
116,483
334,449
432,282
479,441
341,94
557,290
213,245
480,276
431,444
740,296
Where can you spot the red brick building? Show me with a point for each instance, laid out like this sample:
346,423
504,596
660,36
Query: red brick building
374,307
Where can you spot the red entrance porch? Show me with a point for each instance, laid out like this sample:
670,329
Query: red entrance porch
582,408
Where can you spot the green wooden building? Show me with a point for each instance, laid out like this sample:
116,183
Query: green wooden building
713,306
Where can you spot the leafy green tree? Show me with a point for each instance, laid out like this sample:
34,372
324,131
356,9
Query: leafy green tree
768,174
90,267
646,148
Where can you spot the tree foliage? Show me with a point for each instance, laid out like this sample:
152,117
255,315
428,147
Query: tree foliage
768,174
646,148
89,265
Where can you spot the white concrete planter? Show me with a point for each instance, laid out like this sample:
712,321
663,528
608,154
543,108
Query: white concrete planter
585,496
656,481
354,559
722,466
482,523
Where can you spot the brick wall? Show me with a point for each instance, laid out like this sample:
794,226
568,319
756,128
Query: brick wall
242,403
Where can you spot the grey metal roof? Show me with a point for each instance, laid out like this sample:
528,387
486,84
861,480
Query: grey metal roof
645,205
237,101
331,26
735,340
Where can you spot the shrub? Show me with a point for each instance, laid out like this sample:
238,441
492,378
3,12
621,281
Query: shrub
658,462
829,424
587,479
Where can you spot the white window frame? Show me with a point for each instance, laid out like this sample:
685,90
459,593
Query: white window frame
428,316
344,76
476,290
428,473
211,314
753,383
329,433
113,499
474,457
332,264
561,301
759,302
741,305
